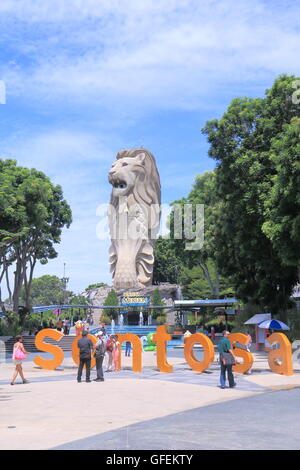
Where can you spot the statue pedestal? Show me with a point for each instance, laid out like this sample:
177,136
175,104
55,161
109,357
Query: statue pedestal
168,292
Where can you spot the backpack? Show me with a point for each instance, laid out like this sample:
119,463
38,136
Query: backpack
109,346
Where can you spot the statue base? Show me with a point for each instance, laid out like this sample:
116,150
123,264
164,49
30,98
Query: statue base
168,293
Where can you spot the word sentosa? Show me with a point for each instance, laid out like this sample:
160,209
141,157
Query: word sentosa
280,359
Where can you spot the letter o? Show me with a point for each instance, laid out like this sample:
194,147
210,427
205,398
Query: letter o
208,350
75,349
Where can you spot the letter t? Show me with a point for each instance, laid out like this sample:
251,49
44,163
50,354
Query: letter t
161,337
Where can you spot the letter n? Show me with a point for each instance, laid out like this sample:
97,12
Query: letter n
136,350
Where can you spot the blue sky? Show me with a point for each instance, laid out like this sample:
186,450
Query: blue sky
85,79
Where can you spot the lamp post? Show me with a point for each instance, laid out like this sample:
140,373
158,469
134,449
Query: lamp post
65,281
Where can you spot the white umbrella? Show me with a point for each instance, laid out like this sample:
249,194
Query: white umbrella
274,325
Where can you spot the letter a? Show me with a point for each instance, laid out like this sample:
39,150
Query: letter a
284,353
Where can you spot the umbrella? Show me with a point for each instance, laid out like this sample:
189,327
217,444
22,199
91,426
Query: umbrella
274,325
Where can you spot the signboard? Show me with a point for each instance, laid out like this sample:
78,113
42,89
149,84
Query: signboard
132,299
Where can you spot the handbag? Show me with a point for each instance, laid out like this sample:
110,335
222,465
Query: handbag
241,346
19,355
228,358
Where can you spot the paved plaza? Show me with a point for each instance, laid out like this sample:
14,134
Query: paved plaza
149,410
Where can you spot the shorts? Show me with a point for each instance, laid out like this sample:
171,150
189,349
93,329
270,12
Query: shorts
17,361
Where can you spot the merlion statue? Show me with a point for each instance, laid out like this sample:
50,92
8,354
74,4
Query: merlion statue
134,217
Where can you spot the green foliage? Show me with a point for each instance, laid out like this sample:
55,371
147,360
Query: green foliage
192,320
78,300
32,215
282,203
105,319
220,326
157,301
294,324
167,265
197,269
111,299
46,290
243,142
95,286
196,286
161,319
9,326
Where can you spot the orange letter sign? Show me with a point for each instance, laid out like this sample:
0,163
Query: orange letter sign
208,351
136,350
284,353
49,364
161,337
245,355
75,349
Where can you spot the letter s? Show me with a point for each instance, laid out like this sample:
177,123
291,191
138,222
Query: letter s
49,364
245,355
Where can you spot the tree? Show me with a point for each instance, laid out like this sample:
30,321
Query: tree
166,264
111,299
196,286
241,142
46,290
78,300
95,286
203,261
157,301
33,213
282,203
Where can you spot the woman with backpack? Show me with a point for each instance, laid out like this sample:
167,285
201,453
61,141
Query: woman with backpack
19,354
109,350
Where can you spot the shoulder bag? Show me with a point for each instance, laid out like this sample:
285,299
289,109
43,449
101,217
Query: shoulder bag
228,358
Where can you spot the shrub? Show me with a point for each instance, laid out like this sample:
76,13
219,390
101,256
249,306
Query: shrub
161,319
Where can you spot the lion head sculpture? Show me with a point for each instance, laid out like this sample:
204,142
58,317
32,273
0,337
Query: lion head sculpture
134,217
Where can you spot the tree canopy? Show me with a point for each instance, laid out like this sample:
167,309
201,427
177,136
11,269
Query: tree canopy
46,290
196,270
95,286
111,300
32,215
250,142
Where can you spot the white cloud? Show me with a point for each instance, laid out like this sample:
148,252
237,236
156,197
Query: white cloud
159,54
79,162
105,58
